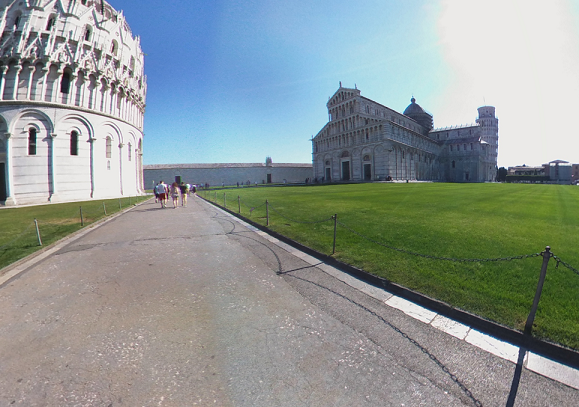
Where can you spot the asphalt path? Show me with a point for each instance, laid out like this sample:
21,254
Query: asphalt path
189,307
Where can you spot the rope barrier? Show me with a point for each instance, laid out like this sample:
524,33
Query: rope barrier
297,221
410,252
428,256
17,237
567,265
91,212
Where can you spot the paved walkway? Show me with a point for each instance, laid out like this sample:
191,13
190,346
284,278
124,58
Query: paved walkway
189,306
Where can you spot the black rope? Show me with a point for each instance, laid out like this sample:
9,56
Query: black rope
297,221
428,256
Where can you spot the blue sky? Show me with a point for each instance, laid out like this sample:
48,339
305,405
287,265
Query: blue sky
236,81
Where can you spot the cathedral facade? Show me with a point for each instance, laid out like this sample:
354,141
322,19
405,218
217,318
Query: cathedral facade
72,100
366,141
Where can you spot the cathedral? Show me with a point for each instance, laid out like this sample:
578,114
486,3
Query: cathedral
72,100
367,141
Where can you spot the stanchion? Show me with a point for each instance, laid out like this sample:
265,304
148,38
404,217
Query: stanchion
335,227
105,209
120,206
81,218
546,256
266,213
238,204
224,201
37,232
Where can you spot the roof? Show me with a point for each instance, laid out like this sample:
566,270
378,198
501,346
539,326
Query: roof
466,139
458,126
558,162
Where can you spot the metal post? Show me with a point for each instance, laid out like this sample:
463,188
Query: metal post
224,201
81,218
266,213
335,227
37,232
238,204
546,256
105,208
120,206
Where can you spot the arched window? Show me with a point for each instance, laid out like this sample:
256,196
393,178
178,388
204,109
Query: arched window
453,164
32,141
17,21
74,143
87,33
130,151
83,2
109,147
65,82
50,23
114,47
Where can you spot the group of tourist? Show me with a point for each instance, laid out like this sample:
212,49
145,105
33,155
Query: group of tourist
175,191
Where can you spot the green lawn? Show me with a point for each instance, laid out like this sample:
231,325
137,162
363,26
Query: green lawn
18,237
462,221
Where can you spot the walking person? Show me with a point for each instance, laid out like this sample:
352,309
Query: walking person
156,193
162,191
175,192
184,193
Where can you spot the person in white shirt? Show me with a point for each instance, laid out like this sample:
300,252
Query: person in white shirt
162,191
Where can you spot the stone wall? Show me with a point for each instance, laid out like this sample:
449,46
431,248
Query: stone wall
228,174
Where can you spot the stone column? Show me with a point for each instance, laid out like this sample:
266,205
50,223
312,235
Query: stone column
3,81
16,80
10,201
113,104
96,100
140,181
52,170
92,141
45,71
32,69
121,145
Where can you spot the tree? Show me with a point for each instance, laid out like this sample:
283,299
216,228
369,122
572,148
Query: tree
502,174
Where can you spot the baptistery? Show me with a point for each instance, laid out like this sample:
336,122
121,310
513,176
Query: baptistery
72,102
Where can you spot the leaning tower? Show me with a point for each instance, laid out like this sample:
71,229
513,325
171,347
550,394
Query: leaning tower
489,125
72,100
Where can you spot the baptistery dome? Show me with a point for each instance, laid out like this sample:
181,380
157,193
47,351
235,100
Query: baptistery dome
72,100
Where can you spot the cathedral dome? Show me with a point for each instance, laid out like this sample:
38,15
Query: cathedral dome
413,108
415,112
